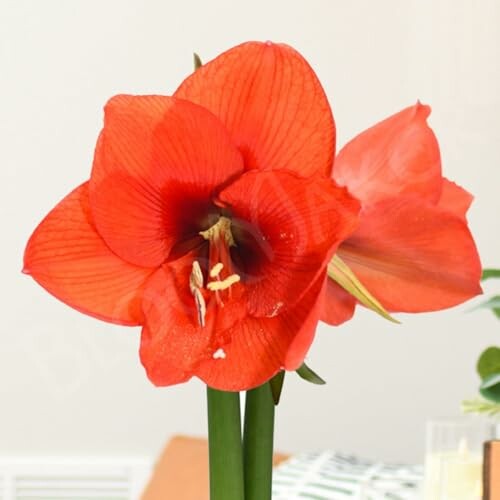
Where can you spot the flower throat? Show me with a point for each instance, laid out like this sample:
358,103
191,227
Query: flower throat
220,275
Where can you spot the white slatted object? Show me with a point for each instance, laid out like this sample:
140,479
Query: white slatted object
73,479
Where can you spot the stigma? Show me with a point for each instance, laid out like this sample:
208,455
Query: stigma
221,229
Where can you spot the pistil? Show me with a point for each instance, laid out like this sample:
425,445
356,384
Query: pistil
220,240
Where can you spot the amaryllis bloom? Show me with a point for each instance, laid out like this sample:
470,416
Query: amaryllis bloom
209,219
412,250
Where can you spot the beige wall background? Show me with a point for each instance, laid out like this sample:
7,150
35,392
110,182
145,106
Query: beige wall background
72,385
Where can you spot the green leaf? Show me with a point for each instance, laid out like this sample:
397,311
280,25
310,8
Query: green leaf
307,374
197,61
489,362
490,388
276,384
493,304
340,272
481,407
490,273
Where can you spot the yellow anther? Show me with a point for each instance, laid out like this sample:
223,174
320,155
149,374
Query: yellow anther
215,271
216,286
195,285
196,277
222,228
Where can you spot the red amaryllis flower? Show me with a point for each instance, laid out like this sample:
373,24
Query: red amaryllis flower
209,219
412,250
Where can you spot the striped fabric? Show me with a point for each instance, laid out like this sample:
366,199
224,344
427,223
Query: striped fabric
335,476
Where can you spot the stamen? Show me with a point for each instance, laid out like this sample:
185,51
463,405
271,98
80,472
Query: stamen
196,277
215,271
201,306
215,286
220,240
195,285
221,227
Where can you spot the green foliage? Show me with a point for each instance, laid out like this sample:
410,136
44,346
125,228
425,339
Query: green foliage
488,368
493,304
481,407
490,273
490,388
489,362
488,365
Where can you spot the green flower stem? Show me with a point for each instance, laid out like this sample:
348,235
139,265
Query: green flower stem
225,446
258,443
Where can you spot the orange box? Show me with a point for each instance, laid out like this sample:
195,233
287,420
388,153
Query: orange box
181,472
492,470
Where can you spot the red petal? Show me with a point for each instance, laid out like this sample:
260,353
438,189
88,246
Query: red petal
261,347
306,314
455,198
338,305
272,103
414,257
174,347
69,259
157,164
172,343
399,155
286,230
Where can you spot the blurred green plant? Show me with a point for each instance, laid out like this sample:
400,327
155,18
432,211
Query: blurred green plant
488,365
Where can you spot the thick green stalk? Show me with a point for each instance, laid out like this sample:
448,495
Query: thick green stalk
225,447
258,443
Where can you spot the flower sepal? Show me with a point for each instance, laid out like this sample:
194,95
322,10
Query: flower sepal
276,384
309,375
